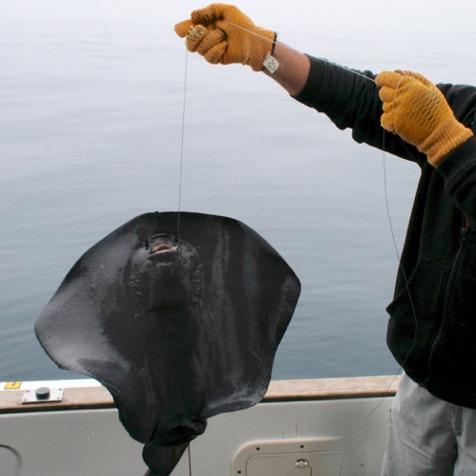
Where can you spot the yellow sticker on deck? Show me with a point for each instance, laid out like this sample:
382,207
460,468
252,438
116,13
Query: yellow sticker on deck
13,385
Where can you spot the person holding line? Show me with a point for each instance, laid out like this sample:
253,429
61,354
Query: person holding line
432,318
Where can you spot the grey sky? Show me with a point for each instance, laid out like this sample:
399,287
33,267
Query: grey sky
391,34
372,13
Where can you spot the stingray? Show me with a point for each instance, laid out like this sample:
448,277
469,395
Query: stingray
179,316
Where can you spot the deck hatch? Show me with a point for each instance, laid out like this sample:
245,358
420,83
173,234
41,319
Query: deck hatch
299,457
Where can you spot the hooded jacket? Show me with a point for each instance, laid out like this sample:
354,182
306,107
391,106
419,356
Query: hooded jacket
432,325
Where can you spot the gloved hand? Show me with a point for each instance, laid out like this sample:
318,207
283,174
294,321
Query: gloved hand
416,110
223,34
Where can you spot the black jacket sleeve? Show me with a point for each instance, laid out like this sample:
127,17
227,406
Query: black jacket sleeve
350,99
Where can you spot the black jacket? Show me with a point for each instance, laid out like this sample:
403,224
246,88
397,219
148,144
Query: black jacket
432,326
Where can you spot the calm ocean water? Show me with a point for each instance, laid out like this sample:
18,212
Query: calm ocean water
90,132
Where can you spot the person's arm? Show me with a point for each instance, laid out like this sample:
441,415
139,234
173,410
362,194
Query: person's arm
293,69
222,34
421,116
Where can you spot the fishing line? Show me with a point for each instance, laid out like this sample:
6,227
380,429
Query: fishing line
275,42
189,452
182,143
392,233
384,153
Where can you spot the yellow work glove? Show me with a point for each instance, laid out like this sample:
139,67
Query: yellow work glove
223,34
416,110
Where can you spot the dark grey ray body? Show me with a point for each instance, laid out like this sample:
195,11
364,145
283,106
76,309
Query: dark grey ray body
177,329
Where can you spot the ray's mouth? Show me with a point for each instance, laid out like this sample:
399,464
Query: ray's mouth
162,248
162,243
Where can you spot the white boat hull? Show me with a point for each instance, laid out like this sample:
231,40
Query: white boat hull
292,433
